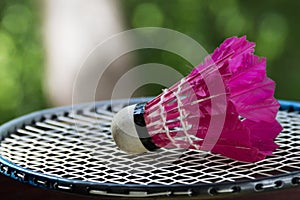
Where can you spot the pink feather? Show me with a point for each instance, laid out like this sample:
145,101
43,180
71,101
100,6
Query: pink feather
250,125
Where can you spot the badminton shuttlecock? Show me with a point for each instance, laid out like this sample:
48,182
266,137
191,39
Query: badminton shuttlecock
188,115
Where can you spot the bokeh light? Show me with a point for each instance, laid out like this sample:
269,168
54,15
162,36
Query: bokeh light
17,18
272,35
21,59
147,14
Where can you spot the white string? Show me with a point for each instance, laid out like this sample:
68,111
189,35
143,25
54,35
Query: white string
64,154
164,120
181,116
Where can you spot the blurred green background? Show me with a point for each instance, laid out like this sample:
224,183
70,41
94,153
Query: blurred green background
273,25
21,59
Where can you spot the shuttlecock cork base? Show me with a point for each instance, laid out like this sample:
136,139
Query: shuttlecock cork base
181,116
130,132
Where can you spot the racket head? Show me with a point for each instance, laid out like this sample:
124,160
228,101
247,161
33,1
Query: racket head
70,149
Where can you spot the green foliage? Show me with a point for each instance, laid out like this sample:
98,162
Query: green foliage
273,25
21,59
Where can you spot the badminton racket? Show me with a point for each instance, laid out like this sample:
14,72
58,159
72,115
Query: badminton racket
71,149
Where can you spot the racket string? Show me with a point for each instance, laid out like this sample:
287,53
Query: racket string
78,145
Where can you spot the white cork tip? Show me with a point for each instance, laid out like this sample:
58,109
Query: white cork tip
124,132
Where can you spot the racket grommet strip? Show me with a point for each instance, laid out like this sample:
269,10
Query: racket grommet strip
278,184
216,191
189,193
275,185
236,189
63,187
295,181
259,187
212,191
4,169
20,175
132,194
40,182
